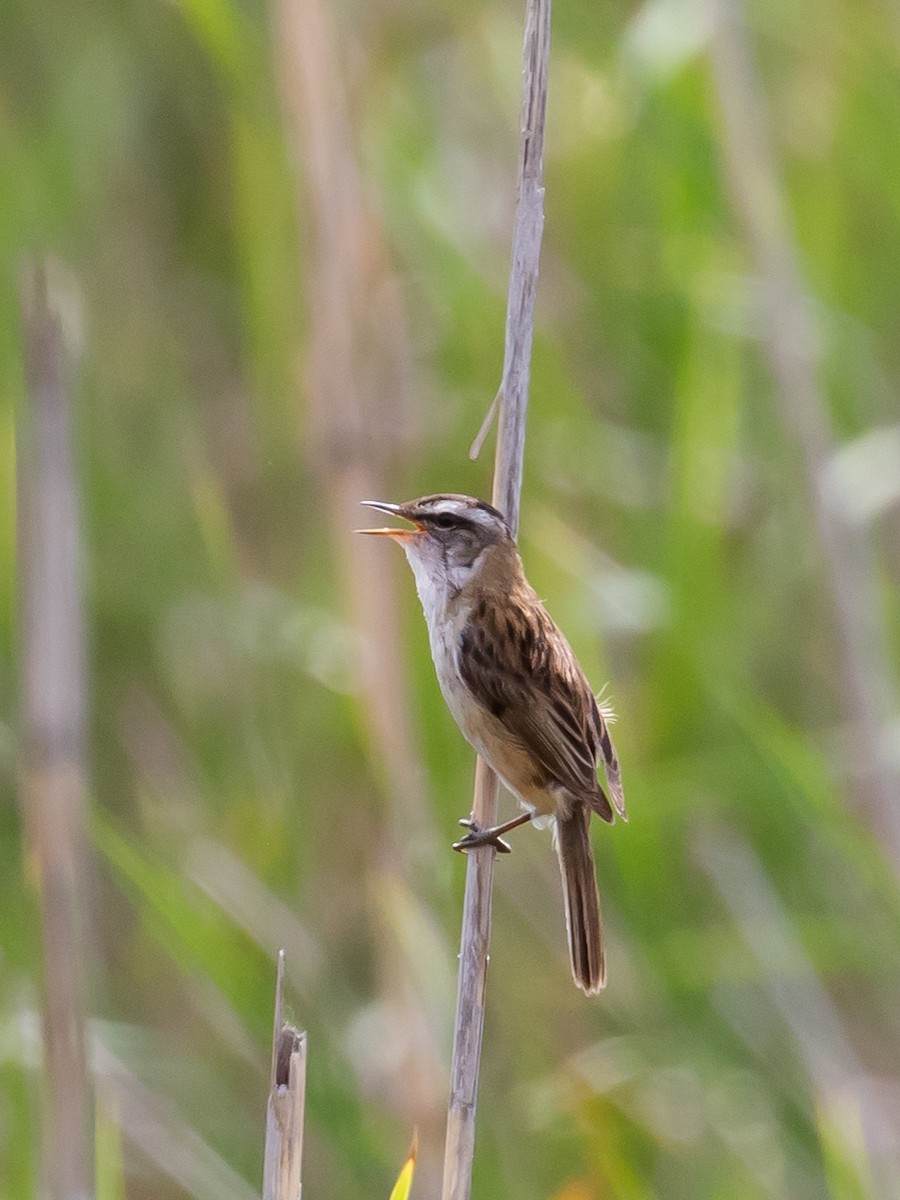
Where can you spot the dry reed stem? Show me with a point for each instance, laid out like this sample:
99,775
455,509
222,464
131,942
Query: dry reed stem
358,390
359,404
513,396
282,1167
51,781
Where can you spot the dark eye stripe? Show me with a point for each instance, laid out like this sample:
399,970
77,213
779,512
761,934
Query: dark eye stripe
447,521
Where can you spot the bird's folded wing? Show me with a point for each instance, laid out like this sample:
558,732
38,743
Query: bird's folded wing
530,681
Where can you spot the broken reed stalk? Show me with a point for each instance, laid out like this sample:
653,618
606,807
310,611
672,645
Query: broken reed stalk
287,1101
459,1148
51,753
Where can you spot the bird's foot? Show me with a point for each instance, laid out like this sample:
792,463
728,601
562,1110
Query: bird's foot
481,837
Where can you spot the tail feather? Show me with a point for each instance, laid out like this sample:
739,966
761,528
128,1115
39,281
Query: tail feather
576,862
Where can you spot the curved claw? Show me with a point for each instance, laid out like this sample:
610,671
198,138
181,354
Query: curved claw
480,837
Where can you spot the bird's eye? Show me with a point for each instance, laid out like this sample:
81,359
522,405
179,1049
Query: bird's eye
443,521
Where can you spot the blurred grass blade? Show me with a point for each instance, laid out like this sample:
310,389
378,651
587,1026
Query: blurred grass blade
842,1140
109,1171
224,33
190,926
403,1185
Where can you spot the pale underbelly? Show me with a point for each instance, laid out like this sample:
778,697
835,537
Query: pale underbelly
485,733
504,755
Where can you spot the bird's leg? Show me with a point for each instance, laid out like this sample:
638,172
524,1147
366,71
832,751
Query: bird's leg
489,837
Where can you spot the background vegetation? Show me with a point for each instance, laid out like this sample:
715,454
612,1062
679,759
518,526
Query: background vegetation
292,274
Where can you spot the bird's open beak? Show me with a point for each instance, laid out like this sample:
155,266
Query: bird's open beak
396,511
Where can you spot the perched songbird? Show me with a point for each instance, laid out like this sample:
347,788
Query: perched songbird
515,689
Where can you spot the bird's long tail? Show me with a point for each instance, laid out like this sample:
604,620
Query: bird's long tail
576,862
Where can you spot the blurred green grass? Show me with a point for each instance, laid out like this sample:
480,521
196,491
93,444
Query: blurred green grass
236,804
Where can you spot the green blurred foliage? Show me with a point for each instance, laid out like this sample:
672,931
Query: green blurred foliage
753,916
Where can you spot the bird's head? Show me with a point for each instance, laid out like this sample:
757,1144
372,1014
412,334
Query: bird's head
449,535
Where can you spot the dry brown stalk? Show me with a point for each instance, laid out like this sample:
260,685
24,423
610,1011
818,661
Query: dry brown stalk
358,403
51,780
282,1167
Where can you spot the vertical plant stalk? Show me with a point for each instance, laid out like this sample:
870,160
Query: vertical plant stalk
51,765
282,1166
513,403
791,342
358,400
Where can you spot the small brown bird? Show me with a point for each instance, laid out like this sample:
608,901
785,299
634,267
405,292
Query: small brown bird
515,689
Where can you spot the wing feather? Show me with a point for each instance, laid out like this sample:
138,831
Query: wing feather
525,674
